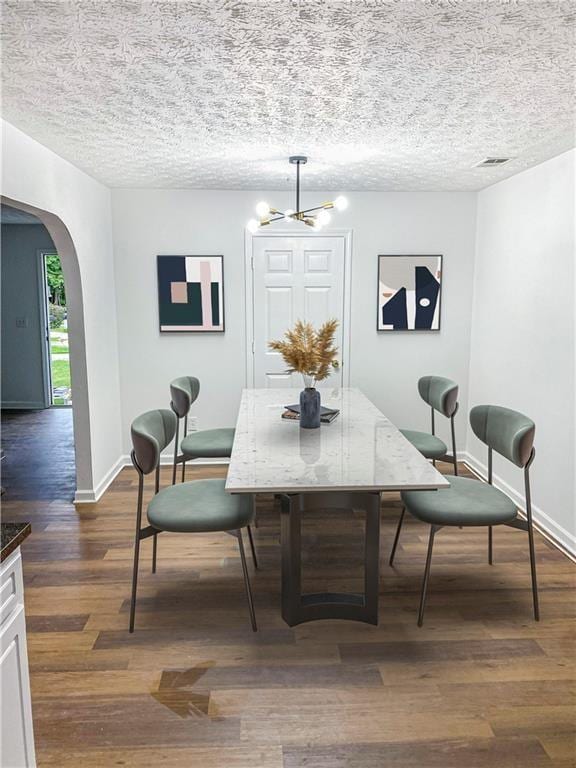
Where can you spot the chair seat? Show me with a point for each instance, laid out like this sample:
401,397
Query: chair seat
466,502
208,443
428,445
199,506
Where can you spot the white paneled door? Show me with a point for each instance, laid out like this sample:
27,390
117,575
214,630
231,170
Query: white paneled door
300,277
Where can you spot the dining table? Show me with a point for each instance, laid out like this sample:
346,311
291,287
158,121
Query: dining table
342,465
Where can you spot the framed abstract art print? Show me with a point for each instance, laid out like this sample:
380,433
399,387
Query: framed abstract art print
191,293
409,292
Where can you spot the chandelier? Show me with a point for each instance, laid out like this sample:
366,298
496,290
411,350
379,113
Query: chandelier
316,217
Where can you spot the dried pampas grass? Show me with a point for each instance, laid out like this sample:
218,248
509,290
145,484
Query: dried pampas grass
308,351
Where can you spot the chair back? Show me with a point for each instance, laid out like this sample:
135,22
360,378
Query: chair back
440,393
508,432
151,433
183,392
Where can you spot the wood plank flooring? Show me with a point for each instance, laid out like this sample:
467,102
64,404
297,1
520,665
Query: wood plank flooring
39,454
480,684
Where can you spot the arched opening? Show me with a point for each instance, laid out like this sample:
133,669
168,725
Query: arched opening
73,286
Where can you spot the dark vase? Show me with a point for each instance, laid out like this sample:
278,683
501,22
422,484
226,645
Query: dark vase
309,408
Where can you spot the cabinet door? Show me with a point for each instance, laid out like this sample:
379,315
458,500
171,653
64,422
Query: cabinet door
17,745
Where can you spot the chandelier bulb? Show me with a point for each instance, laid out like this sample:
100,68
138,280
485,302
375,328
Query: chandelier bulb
323,217
262,209
341,203
288,214
253,226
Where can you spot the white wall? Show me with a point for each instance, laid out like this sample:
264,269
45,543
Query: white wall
78,208
23,347
523,341
385,365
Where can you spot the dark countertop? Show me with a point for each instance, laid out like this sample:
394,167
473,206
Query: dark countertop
12,535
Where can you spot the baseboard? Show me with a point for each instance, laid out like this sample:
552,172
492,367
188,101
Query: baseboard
23,405
554,533
91,496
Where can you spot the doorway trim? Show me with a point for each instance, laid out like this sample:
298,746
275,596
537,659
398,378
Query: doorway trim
346,235
64,246
46,341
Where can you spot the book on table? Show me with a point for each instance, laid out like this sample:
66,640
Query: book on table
326,414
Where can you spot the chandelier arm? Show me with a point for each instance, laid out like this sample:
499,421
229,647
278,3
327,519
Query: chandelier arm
309,210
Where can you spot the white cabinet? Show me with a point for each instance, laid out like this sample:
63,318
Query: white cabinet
17,735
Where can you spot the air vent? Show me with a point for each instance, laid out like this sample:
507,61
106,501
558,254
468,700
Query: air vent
491,161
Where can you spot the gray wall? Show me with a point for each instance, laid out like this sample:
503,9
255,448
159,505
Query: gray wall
22,374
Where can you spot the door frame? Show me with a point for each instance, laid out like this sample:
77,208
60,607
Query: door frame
45,347
346,235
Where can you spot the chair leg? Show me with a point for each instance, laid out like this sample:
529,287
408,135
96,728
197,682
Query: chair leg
533,572
433,530
134,581
454,445
391,561
490,547
154,552
246,581
183,470
175,451
531,537
252,547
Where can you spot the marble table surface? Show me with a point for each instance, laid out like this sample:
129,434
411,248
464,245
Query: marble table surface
11,536
361,450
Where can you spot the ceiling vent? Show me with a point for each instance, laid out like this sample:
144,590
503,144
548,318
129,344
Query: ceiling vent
488,162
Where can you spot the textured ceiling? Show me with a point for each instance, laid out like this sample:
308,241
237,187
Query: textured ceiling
216,94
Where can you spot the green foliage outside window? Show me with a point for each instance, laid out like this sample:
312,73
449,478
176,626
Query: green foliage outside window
55,280
56,315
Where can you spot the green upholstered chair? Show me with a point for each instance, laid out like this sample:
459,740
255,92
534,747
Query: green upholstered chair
199,506
205,444
441,395
471,502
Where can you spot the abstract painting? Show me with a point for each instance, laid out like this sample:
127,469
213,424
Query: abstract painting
191,293
409,289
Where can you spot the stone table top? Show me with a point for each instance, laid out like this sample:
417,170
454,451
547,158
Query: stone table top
12,535
361,450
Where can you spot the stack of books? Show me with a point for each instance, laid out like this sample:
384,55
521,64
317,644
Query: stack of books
326,414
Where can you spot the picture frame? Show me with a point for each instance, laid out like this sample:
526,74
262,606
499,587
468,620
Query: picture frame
409,296
191,294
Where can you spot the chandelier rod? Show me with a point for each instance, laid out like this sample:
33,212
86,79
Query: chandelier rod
298,186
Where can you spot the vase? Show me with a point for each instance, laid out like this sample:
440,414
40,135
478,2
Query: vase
309,405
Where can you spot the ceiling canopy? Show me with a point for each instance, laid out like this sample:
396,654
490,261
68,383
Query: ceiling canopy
218,93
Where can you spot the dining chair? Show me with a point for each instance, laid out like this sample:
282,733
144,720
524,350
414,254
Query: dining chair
441,394
470,502
204,444
199,506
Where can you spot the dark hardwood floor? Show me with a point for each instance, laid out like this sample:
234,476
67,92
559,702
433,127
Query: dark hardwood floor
39,455
480,684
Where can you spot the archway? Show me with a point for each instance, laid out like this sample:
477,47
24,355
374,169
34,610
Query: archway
73,284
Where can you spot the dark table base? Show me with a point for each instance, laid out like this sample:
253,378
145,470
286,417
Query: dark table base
298,608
